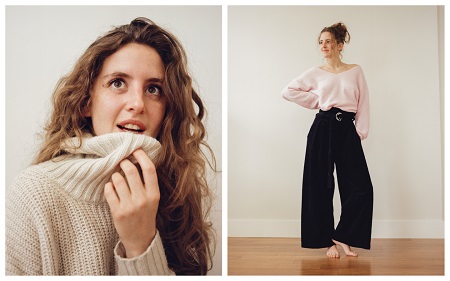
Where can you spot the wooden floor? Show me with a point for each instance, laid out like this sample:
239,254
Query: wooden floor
284,256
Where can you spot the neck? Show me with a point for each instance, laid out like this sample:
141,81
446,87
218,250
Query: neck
334,63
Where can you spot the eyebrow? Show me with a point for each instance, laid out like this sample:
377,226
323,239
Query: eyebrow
125,75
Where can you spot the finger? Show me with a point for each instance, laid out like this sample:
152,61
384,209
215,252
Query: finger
132,175
121,186
111,196
148,170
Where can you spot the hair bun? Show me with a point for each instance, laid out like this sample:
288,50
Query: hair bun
340,27
339,31
141,22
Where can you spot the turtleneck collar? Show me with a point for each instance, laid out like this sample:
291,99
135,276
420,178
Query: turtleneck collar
90,164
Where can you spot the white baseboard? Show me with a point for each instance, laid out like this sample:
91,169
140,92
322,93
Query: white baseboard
380,228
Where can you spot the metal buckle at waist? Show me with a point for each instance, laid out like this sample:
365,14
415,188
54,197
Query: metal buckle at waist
337,114
330,115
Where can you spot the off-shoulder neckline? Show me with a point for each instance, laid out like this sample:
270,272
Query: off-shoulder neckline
354,67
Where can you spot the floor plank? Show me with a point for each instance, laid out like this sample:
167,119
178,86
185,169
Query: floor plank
284,256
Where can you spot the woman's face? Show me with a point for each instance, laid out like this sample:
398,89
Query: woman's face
328,45
127,94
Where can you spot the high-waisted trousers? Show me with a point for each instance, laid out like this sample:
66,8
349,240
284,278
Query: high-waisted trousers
333,142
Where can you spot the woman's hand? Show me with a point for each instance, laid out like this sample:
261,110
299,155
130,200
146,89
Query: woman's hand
134,203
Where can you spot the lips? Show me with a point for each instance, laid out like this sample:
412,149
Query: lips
133,126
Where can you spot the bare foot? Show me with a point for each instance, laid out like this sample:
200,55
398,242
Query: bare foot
348,251
333,252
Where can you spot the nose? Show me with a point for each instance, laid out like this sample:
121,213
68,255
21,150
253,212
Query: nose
135,101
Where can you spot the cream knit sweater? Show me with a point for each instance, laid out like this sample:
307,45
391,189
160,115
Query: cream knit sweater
58,221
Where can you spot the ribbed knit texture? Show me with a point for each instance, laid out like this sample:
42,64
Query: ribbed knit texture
58,221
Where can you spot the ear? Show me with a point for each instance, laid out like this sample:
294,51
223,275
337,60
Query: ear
86,111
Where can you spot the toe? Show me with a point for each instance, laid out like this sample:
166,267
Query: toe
353,254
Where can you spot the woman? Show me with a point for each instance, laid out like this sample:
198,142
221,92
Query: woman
340,91
118,186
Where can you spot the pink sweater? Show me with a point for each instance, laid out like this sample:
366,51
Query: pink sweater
317,88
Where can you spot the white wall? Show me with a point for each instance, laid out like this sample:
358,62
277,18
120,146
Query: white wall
398,50
42,44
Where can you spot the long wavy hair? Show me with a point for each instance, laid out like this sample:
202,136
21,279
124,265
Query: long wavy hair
186,198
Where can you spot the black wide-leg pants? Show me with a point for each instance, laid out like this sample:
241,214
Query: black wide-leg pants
334,142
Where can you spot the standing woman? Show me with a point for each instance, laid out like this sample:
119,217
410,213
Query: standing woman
118,186
340,91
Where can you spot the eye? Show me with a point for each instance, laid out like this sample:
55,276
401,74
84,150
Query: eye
154,90
117,83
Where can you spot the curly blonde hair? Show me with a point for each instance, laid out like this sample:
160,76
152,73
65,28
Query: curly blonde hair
186,198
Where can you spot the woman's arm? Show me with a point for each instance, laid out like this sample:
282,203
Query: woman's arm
23,253
362,117
152,262
299,92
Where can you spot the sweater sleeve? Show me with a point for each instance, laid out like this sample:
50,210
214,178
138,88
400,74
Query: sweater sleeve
152,262
22,250
299,92
362,117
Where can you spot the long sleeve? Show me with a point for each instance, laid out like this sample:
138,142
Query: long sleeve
317,88
58,223
151,262
362,118
31,247
299,92
21,239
